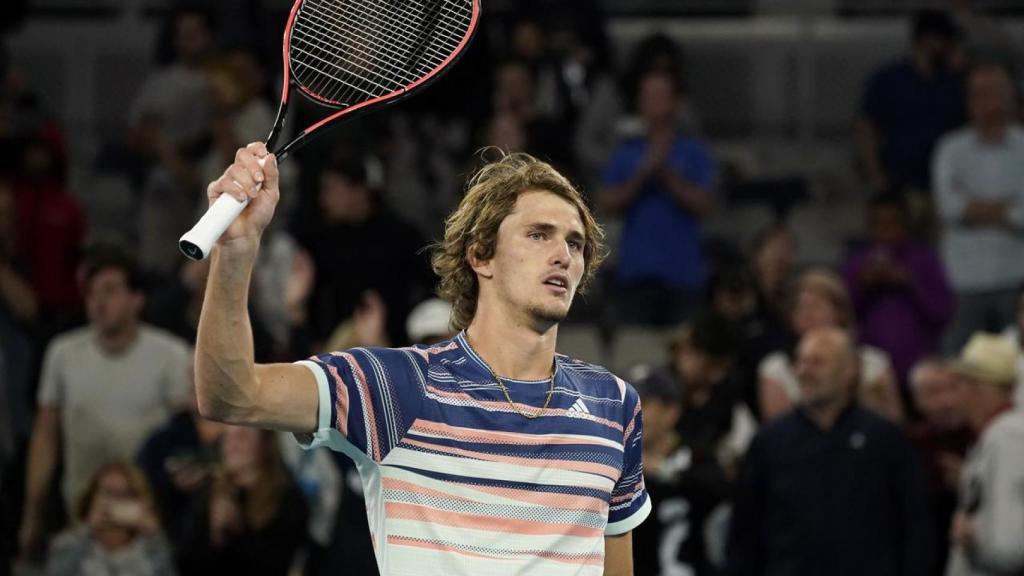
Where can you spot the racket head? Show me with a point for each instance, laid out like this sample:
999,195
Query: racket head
350,54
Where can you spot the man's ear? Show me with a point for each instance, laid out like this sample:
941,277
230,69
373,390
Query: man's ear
481,267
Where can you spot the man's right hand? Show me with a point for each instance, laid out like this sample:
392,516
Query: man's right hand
245,178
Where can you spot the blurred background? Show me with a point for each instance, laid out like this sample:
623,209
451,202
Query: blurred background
761,168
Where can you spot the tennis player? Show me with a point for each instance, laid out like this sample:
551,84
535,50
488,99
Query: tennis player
484,454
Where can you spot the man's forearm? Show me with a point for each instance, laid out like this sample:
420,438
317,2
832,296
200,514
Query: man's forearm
225,363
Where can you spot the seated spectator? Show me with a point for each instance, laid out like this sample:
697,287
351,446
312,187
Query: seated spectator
941,438
1015,333
661,186
685,485
978,171
820,300
988,526
829,488
908,105
898,287
114,366
115,532
179,460
252,518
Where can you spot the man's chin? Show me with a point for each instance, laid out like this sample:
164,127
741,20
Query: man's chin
547,316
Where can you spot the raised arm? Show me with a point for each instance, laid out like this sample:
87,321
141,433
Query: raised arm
230,386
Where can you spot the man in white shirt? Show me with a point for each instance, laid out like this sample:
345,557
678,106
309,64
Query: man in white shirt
104,389
979,186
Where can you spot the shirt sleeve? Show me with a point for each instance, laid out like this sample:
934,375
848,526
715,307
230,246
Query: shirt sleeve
620,167
701,168
950,199
630,502
368,399
51,382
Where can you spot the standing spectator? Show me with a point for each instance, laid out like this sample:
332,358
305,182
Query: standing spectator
1015,333
360,246
978,175
252,519
116,531
113,366
898,287
830,488
820,300
661,185
988,527
908,105
941,438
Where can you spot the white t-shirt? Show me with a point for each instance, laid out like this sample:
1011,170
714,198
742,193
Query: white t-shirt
109,404
1013,334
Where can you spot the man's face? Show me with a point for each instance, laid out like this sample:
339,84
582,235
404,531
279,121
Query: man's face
191,36
888,225
341,199
990,97
538,260
110,302
824,370
660,416
812,310
935,395
657,100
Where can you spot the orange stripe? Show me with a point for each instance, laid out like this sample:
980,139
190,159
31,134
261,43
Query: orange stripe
570,465
402,511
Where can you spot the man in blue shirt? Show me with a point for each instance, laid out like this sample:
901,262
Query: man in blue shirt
661,186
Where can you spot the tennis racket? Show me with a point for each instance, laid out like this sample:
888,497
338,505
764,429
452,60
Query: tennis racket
351,55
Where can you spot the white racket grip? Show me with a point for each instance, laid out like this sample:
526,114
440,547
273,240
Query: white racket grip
197,242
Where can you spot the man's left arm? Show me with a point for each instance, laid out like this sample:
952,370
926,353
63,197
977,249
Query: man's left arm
618,555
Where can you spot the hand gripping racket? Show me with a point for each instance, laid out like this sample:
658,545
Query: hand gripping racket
351,55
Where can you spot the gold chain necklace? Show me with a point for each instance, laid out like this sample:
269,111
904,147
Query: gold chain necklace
551,390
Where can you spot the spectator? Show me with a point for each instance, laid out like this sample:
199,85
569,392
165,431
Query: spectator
735,296
819,301
179,460
988,527
685,487
114,366
661,185
908,105
252,519
774,251
116,530
1015,333
51,229
830,488
941,438
358,232
898,287
978,171
715,424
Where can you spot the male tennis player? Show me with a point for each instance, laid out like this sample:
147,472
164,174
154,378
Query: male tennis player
483,454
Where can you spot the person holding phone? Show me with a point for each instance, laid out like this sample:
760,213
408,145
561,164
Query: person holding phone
116,530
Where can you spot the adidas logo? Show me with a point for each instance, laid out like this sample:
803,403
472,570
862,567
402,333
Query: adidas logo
579,407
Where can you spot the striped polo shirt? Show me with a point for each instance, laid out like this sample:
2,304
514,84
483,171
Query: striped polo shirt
457,482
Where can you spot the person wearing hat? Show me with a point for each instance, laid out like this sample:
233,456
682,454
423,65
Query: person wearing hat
988,528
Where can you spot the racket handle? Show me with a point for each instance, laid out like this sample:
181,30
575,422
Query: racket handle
197,242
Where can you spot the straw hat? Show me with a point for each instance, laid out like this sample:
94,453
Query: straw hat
989,358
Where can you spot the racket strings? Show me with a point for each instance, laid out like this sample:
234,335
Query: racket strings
348,51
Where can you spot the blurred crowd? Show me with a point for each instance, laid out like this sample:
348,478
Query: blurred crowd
855,418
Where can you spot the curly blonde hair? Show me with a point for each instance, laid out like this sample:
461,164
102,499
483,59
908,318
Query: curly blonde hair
490,197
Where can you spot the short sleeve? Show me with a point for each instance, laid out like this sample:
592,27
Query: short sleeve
51,383
368,399
700,166
630,502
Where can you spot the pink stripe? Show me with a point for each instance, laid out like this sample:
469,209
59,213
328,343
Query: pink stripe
550,499
341,401
638,487
571,465
632,423
498,406
367,401
401,511
477,435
